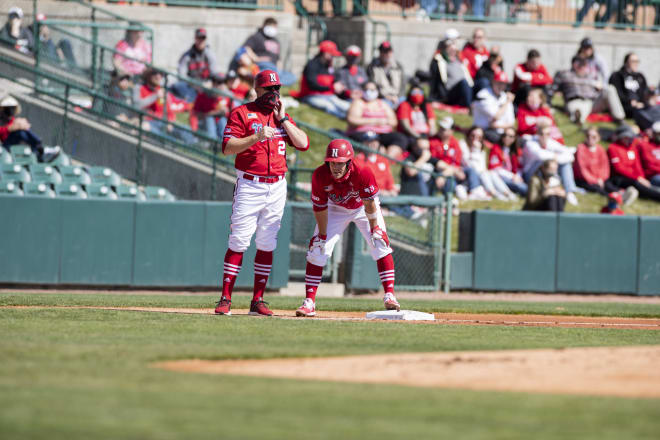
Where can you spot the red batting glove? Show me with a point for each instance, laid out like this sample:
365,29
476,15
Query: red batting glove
379,234
317,241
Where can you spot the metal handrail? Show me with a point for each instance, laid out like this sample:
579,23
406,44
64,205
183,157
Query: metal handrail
312,22
374,24
277,6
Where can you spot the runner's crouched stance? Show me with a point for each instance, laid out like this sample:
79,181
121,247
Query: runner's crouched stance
257,133
343,193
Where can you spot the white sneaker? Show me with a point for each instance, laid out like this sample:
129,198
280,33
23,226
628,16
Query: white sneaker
630,195
461,192
308,308
390,302
480,194
570,198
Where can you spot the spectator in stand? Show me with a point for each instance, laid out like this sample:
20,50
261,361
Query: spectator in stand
649,153
446,150
265,50
352,76
416,118
614,202
14,34
318,87
120,89
591,167
542,147
486,73
370,114
239,88
530,75
596,63
450,82
533,112
505,158
211,108
152,98
388,74
600,20
16,131
60,53
135,46
474,156
585,93
634,94
545,190
197,63
475,53
492,109
627,167
416,173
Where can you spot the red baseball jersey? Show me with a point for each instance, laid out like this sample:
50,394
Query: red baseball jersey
360,184
265,158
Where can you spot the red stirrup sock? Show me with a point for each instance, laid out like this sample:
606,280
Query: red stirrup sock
386,272
233,261
263,262
313,275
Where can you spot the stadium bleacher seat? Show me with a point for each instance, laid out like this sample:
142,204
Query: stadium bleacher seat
5,156
15,172
42,172
61,160
130,192
40,189
158,193
74,174
104,175
70,190
22,154
10,187
100,191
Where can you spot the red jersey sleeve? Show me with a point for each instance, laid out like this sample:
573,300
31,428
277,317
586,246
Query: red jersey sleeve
495,157
403,112
235,128
541,77
368,187
430,114
319,195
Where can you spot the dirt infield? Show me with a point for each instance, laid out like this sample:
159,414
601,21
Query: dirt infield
609,371
440,318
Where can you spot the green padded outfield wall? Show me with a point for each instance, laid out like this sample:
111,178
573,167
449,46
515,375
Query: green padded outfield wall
649,256
597,253
515,251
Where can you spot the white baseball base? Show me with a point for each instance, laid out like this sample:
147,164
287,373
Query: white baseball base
405,315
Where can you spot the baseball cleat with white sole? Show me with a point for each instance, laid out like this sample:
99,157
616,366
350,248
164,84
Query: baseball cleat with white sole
223,307
390,302
308,308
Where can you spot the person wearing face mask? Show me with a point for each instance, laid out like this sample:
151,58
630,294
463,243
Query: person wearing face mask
264,49
417,119
318,87
352,75
343,192
197,63
15,131
369,113
545,190
14,34
257,133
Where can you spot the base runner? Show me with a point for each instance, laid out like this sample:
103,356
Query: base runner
257,133
343,193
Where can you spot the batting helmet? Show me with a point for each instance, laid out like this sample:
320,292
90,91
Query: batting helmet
267,78
339,150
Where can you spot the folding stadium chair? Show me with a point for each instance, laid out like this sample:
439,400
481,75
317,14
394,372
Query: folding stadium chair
46,173
74,174
22,154
5,156
39,189
10,187
15,172
104,175
158,193
100,191
70,190
130,192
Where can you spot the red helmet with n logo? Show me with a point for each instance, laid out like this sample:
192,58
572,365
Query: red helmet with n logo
339,150
267,78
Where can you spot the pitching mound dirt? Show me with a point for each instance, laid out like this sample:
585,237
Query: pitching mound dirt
624,372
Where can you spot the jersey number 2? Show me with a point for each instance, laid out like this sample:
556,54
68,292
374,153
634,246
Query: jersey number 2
281,148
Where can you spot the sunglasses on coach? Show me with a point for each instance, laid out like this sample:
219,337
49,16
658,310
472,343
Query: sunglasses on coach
273,88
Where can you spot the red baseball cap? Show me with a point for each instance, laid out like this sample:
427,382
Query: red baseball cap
385,46
267,78
616,196
353,51
330,47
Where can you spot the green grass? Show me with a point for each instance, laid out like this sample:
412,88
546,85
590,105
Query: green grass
81,374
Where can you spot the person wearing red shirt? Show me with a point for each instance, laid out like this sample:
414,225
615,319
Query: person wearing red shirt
533,111
343,192
212,108
627,167
475,53
257,133
504,158
529,75
319,87
591,167
416,118
649,153
614,202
